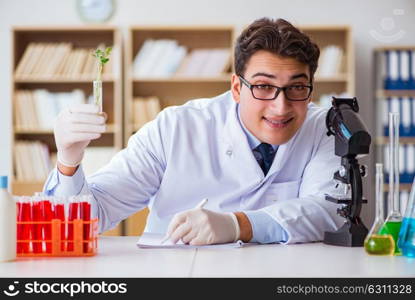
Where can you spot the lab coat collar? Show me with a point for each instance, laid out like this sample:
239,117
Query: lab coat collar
252,140
237,146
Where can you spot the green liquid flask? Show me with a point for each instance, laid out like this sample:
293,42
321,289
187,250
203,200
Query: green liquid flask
393,222
379,243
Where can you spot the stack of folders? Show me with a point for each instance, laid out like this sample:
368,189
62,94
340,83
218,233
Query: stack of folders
59,61
331,60
32,161
37,109
145,109
406,162
399,69
406,108
166,58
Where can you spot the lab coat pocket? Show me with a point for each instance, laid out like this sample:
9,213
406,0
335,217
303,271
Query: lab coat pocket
281,191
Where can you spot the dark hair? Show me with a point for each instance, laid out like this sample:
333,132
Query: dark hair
276,36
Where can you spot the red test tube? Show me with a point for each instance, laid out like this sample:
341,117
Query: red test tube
47,216
86,218
37,226
73,214
60,215
23,230
25,216
19,227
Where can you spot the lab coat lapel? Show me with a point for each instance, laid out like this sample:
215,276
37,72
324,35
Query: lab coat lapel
237,149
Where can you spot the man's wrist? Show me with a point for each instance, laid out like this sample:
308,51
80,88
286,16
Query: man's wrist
244,226
65,170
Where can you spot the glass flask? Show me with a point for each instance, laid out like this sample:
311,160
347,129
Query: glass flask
406,240
393,221
377,243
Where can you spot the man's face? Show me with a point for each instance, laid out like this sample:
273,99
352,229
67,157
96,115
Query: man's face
272,121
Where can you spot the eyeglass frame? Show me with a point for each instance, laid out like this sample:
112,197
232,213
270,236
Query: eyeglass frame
279,89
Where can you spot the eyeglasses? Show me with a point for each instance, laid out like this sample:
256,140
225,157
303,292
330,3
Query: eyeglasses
295,92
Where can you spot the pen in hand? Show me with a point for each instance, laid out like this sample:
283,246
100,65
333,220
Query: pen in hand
200,205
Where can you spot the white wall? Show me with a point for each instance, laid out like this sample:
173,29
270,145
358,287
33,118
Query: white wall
362,15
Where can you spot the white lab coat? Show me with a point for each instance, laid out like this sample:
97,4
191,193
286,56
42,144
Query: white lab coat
199,150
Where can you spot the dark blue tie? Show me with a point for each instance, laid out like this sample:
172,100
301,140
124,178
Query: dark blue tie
267,156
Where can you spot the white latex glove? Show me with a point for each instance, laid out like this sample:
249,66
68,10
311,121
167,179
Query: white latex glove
203,227
74,128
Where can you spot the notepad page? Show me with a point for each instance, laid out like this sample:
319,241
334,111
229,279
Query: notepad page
153,241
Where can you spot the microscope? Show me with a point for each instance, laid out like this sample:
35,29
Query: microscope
352,141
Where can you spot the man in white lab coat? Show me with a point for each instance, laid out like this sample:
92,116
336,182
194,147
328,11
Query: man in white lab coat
259,153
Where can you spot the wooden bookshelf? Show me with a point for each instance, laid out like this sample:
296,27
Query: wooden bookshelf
380,95
402,187
85,37
340,36
175,90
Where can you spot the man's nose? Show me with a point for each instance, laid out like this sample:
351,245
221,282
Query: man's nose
281,104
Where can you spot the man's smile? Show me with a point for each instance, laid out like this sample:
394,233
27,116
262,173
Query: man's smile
277,123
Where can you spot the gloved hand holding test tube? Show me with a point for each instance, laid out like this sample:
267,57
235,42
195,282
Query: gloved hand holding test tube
77,125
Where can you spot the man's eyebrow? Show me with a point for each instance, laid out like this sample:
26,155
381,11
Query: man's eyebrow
263,74
296,76
302,75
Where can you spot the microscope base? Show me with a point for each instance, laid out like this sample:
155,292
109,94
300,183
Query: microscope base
349,235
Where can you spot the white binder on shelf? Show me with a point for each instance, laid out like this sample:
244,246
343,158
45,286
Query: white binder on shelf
406,117
404,69
410,162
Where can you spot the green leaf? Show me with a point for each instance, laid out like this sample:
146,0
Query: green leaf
102,57
108,51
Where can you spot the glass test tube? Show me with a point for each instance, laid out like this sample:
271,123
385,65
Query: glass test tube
98,94
73,215
23,230
59,213
394,163
86,217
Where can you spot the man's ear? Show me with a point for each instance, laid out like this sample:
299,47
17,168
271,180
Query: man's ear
236,88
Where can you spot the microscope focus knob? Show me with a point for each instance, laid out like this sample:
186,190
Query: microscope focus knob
342,171
362,169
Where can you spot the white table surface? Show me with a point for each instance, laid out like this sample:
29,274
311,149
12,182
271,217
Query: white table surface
119,257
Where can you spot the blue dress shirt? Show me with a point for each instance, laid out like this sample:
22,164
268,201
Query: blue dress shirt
264,228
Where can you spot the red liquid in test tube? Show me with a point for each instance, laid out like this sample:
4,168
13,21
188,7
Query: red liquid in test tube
37,228
60,215
25,216
23,230
86,216
19,228
47,214
73,214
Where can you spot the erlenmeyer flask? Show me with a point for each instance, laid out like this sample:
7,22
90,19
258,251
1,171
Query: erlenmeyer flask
406,240
393,221
375,242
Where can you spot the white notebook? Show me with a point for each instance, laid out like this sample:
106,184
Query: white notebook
152,241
